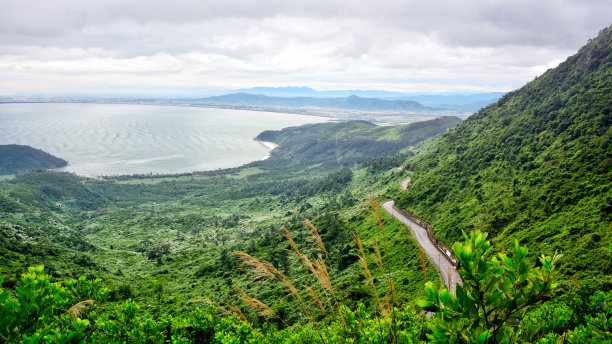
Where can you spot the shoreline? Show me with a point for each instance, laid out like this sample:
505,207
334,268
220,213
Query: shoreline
270,145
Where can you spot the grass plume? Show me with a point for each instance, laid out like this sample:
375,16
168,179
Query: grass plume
315,298
261,269
376,212
423,265
317,238
261,308
76,310
379,258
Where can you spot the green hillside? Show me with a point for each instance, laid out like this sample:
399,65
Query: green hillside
227,257
535,166
348,143
138,233
17,159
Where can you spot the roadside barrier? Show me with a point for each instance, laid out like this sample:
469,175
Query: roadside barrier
437,243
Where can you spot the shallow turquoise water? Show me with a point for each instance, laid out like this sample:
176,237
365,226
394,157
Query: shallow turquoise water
111,139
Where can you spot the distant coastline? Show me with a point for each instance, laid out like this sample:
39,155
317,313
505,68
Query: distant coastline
376,116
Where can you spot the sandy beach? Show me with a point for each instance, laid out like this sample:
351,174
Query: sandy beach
270,145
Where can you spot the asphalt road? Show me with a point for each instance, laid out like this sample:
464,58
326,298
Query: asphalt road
442,263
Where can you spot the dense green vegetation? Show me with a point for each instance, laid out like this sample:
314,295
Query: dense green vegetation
500,305
164,240
535,167
18,159
229,256
348,143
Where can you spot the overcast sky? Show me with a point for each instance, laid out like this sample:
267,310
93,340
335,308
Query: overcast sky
179,47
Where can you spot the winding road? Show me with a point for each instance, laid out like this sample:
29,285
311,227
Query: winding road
441,261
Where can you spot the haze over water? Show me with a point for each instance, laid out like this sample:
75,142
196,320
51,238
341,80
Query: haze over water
113,139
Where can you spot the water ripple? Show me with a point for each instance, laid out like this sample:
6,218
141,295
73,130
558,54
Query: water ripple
109,139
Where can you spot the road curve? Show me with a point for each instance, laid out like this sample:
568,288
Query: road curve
442,263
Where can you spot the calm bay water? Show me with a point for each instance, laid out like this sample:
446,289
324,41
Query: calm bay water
112,139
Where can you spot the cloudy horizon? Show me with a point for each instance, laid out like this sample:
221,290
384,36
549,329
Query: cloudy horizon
187,48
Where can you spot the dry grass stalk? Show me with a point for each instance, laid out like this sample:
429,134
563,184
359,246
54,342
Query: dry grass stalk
261,308
317,238
323,280
363,261
318,269
449,279
244,319
237,310
358,241
261,269
379,258
315,234
289,286
368,275
423,266
308,265
386,312
322,275
364,264
315,299
76,309
265,270
393,291
293,245
390,316
376,211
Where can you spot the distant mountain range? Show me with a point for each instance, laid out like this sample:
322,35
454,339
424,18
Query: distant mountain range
304,97
351,102
447,101
293,91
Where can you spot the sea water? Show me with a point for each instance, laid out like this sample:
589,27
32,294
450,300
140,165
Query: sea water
115,139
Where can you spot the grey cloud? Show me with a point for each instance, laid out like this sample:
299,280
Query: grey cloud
290,41
467,22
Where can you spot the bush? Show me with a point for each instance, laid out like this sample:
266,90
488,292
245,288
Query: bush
496,294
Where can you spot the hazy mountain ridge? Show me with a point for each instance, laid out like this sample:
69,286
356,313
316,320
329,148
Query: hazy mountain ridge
455,101
351,102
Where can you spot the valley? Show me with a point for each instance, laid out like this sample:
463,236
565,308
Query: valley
315,244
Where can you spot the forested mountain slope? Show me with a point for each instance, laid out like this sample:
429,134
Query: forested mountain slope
18,158
535,166
348,143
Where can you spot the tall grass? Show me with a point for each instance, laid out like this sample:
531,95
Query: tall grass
317,295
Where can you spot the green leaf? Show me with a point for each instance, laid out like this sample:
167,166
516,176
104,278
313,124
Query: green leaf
427,306
483,337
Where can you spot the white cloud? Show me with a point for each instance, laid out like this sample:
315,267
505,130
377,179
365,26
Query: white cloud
397,44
